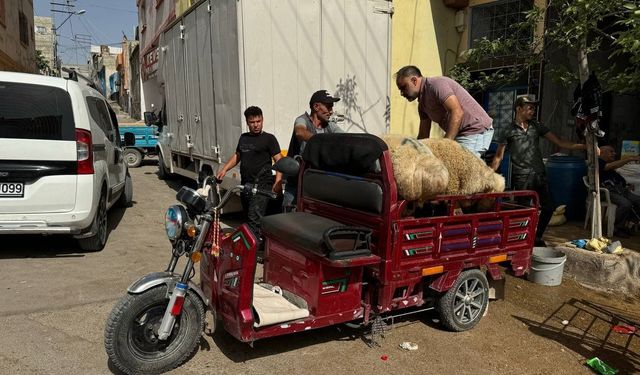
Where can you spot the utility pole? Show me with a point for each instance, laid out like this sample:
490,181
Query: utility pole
67,8
592,150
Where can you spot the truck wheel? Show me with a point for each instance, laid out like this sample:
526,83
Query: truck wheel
126,198
163,174
99,228
133,157
131,339
462,306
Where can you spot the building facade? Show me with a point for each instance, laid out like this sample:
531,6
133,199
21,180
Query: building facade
17,39
104,68
45,41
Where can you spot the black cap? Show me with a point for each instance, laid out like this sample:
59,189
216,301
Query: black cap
525,99
322,96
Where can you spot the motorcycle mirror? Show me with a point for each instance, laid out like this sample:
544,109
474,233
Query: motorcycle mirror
287,166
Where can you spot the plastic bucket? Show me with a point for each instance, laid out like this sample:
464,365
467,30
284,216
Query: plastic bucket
547,265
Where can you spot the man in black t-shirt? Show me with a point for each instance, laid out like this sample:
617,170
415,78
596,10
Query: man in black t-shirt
619,191
255,152
522,138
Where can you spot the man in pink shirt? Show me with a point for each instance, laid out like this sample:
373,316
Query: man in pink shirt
443,100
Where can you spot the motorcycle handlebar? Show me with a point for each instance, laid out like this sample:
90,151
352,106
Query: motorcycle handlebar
252,189
249,188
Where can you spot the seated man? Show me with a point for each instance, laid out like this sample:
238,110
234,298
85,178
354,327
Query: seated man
618,188
316,121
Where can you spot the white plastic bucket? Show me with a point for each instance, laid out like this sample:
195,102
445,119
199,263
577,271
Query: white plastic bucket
547,265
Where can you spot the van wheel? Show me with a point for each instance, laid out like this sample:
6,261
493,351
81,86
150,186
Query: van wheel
133,157
126,198
99,228
462,306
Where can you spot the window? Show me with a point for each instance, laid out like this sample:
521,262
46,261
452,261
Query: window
100,114
51,119
496,20
41,30
2,13
24,28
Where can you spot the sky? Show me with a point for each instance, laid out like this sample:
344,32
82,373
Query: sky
104,22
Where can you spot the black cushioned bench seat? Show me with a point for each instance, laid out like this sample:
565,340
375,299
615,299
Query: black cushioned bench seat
306,231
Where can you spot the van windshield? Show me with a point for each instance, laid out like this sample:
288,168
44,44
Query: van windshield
30,111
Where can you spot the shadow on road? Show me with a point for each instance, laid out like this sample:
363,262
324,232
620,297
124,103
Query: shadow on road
16,246
240,352
589,332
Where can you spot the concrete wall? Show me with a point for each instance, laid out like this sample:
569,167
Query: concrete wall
423,34
44,38
17,55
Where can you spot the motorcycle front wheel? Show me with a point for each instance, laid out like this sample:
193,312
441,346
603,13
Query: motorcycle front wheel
131,332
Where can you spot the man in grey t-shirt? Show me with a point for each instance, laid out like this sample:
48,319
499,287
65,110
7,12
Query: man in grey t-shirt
305,126
444,101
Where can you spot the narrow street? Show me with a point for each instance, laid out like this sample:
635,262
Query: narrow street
56,301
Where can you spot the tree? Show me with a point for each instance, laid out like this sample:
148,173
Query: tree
41,62
608,30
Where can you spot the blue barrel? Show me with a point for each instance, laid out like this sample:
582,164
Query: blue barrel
564,174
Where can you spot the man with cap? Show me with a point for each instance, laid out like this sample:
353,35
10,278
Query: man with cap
528,171
446,102
305,126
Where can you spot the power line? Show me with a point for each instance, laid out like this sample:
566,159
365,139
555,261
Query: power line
116,9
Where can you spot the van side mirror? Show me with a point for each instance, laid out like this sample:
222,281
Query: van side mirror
150,118
287,166
129,139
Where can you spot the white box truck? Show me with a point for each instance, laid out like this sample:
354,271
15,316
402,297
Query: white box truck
222,56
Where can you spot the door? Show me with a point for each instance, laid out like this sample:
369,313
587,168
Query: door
499,105
120,166
177,89
193,120
205,75
104,141
226,76
181,89
170,88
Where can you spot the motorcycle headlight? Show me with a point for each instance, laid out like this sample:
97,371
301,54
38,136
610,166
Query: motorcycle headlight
174,220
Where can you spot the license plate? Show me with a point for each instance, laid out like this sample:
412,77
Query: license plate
11,190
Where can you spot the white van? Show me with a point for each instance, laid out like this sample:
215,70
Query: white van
61,161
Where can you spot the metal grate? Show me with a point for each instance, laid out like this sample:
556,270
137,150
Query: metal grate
496,20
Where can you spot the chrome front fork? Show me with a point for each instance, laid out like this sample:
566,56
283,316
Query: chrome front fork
178,295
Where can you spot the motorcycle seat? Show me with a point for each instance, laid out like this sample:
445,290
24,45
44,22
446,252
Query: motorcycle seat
312,233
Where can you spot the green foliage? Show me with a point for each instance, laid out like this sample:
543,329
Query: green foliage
41,62
604,27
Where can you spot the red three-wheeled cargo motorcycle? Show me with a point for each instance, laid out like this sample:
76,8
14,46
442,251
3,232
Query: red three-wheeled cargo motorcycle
353,252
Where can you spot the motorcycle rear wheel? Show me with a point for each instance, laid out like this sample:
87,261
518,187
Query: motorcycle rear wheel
131,332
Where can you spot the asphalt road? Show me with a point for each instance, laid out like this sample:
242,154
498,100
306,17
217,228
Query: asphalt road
54,301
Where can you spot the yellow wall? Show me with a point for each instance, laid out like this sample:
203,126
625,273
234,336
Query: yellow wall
423,34
183,5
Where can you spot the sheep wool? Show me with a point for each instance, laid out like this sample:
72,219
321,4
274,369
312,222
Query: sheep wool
419,174
468,174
